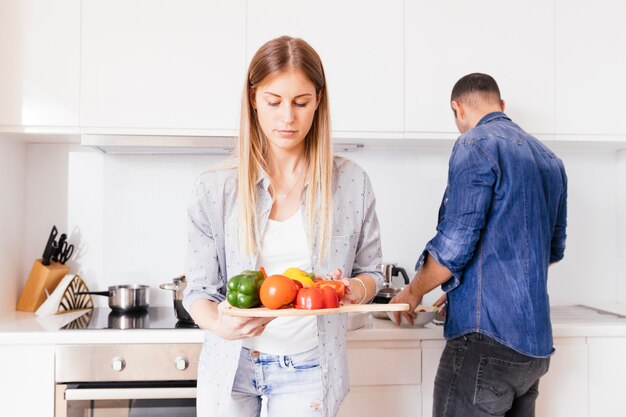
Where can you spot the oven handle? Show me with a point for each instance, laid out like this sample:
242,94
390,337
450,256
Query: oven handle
72,394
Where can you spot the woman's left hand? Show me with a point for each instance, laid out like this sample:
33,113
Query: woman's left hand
355,291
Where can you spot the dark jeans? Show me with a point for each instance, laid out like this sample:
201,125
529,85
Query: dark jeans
479,377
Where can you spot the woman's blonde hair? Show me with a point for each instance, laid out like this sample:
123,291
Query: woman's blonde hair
276,56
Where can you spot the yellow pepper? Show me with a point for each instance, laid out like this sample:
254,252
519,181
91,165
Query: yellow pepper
300,275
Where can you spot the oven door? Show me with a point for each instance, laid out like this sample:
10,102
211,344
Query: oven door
171,399
126,380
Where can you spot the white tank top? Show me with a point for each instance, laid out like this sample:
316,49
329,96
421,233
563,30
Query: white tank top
284,245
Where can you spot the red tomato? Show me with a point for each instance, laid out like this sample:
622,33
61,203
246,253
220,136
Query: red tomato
338,286
298,283
277,291
310,298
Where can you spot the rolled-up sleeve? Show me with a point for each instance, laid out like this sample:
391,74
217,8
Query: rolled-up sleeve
471,179
557,247
202,265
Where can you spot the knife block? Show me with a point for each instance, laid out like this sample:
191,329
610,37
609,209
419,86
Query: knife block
42,278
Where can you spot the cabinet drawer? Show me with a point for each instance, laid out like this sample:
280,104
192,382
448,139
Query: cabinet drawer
396,401
385,366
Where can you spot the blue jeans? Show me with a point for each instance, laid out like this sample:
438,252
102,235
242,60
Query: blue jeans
479,377
292,384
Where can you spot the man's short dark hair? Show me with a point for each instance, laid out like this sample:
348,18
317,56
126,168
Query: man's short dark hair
476,83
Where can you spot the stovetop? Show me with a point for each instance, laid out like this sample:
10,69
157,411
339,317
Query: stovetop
105,318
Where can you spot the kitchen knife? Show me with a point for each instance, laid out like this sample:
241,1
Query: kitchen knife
48,250
48,255
57,253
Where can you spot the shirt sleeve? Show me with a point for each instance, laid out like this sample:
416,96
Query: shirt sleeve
557,248
369,252
202,270
471,179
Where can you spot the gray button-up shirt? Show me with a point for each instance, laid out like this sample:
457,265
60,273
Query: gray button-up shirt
214,255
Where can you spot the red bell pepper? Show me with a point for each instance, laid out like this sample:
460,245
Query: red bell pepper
315,298
338,286
330,298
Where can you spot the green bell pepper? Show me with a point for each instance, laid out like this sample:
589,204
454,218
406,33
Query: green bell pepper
243,289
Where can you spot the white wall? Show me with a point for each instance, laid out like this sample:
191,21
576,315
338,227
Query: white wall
46,198
12,170
127,213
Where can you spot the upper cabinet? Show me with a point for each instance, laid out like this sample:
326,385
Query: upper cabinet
511,41
360,43
590,67
40,64
162,66
166,67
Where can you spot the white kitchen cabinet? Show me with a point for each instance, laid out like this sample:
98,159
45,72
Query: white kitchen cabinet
162,67
361,46
385,400
607,368
511,41
590,67
431,353
385,379
40,65
27,384
563,392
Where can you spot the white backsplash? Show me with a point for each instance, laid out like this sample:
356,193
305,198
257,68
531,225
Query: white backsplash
129,214
12,170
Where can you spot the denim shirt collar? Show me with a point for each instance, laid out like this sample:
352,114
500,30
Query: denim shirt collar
492,116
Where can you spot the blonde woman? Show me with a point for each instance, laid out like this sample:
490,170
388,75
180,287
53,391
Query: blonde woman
285,201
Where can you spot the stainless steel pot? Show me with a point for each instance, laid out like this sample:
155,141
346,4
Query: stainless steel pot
178,287
125,298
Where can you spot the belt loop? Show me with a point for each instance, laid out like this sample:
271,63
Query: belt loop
284,361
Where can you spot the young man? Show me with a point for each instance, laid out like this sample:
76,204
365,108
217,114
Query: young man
501,224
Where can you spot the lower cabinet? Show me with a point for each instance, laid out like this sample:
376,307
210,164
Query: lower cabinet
607,367
431,353
27,383
564,390
385,379
382,400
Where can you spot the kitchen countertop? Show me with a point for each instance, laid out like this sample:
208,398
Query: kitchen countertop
26,328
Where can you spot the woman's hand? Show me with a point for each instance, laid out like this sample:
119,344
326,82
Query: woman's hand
356,291
212,316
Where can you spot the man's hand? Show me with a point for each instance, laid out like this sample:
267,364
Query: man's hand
405,296
429,276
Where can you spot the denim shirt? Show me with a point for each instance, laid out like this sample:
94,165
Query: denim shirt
501,223
214,255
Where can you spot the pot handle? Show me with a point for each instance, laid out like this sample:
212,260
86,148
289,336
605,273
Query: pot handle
105,293
169,286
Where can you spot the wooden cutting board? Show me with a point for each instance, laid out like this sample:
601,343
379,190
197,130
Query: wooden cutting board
285,312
